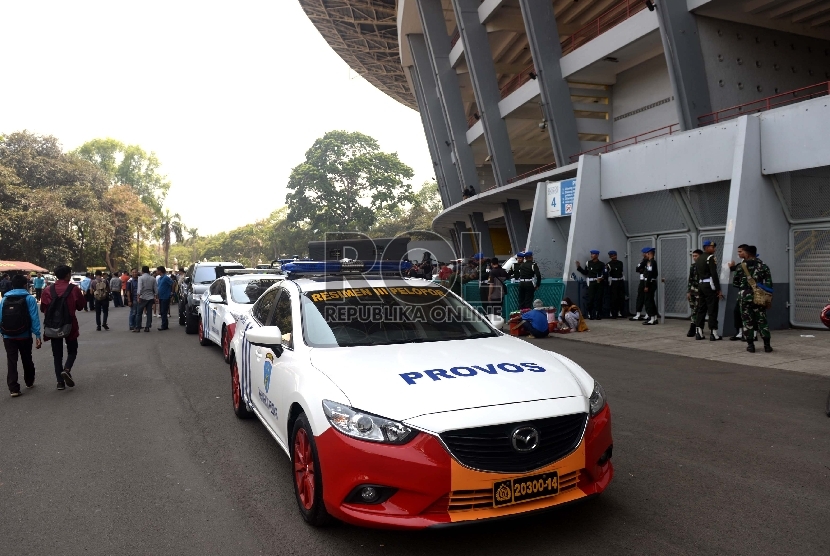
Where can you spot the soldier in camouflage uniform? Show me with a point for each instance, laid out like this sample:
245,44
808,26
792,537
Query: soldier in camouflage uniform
752,316
596,275
692,294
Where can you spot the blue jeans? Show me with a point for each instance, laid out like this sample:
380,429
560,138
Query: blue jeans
145,306
164,306
134,316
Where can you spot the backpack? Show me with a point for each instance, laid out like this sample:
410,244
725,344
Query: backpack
100,292
16,318
58,323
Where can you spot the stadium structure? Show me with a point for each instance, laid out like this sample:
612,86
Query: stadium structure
617,124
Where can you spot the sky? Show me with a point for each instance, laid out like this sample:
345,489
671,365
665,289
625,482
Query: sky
228,95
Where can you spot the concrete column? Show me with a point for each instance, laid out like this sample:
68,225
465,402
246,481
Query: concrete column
440,176
681,45
482,229
486,87
546,241
516,226
755,217
554,91
433,116
593,223
465,239
448,89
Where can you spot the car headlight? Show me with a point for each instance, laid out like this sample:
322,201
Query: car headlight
597,399
366,426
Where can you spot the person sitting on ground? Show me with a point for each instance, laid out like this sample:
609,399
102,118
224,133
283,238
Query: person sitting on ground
444,272
570,318
535,321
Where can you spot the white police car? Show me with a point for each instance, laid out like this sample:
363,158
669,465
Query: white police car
400,406
229,297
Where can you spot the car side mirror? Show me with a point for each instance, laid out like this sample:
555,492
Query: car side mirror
187,280
269,337
496,321
216,298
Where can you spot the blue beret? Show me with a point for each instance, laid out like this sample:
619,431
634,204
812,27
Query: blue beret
478,256
528,253
709,242
594,252
647,249
520,254
612,252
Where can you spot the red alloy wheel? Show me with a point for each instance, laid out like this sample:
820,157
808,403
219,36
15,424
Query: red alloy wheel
304,469
201,331
226,345
237,390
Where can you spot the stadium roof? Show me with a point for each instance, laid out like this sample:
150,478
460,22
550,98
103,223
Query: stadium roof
364,33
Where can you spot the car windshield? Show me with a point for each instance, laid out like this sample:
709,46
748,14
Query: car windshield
248,290
348,316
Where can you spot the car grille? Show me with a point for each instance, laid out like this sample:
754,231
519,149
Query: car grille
467,500
491,449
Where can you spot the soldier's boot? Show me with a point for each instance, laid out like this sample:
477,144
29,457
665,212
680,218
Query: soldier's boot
651,321
749,336
691,332
698,333
767,347
738,336
635,317
714,336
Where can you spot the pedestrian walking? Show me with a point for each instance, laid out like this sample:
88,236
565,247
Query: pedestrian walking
19,321
165,291
650,288
124,277
529,277
616,284
59,303
5,284
693,292
131,293
86,282
115,289
753,279
710,292
641,287
595,273
39,282
147,295
100,287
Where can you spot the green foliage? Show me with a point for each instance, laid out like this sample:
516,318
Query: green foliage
346,183
129,165
58,208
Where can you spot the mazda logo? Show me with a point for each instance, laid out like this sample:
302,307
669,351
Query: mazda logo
525,439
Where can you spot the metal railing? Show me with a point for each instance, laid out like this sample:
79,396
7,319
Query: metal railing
609,19
517,81
764,104
533,172
647,136
455,36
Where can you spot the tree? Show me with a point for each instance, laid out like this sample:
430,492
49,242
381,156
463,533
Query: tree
129,165
169,225
127,214
417,215
346,183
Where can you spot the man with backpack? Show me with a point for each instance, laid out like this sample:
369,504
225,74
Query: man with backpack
19,320
59,303
5,284
101,292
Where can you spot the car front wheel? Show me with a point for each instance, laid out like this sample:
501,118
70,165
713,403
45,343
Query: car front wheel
308,481
240,408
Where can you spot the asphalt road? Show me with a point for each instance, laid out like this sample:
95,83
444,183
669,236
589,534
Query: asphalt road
144,456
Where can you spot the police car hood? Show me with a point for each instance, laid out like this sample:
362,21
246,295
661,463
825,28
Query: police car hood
404,381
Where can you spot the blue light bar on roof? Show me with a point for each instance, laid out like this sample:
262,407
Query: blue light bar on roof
350,267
